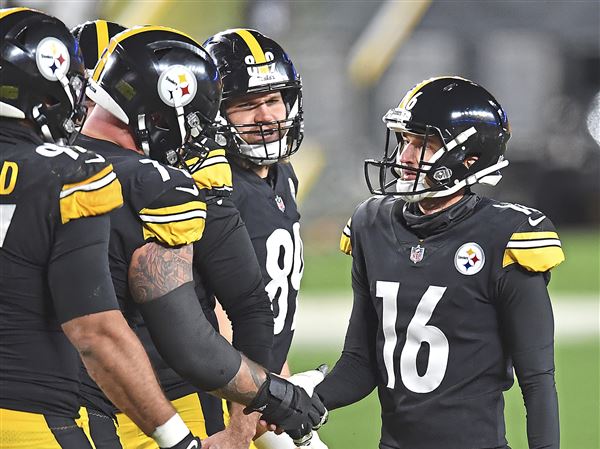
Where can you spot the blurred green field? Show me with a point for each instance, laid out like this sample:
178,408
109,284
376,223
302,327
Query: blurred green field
577,361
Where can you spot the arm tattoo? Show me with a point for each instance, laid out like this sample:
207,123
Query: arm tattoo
156,270
245,384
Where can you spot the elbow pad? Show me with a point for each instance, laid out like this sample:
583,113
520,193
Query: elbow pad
187,341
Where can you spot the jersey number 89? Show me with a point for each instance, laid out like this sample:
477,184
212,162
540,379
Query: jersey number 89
284,260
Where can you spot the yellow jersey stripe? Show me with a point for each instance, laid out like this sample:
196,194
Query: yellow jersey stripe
411,93
175,233
534,259
124,35
101,36
533,243
345,245
173,217
7,12
89,203
533,235
101,179
255,48
174,210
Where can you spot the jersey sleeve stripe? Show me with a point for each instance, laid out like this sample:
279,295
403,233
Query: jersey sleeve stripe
217,174
99,180
541,243
91,202
175,225
345,243
180,212
175,233
173,218
533,235
534,259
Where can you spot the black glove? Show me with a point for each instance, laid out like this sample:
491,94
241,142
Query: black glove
302,438
288,406
189,442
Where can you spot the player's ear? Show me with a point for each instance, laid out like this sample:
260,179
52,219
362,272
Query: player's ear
470,161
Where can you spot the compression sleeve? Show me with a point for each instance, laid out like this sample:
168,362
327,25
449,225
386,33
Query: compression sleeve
78,272
227,264
187,341
354,375
528,330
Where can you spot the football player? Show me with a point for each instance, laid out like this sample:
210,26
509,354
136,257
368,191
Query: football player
450,288
262,107
155,88
225,265
55,285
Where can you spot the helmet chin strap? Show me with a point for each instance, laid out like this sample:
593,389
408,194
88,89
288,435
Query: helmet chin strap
143,132
41,121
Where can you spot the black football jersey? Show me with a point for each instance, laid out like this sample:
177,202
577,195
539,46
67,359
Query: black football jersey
43,187
161,204
268,207
441,365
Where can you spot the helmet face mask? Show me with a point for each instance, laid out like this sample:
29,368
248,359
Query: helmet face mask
252,64
163,85
468,122
42,74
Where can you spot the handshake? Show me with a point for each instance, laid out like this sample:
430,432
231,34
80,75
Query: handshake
286,405
291,405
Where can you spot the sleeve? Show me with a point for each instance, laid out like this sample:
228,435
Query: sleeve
227,263
97,194
213,172
354,375
78,271
535,245
172,209
527,326
345,242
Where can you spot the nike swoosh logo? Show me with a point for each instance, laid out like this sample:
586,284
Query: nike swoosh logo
194,190
193,445
537,221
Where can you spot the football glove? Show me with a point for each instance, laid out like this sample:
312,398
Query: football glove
309,380
287,405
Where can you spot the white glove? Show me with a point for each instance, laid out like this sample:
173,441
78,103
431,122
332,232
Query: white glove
270,440
308,380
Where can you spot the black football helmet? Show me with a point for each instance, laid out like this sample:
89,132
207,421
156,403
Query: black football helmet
93,38
162,84
42,78
249,63
469,122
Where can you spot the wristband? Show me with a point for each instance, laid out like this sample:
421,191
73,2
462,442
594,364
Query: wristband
171,432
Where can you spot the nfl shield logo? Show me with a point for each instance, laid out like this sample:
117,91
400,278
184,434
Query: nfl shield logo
416,253
280,203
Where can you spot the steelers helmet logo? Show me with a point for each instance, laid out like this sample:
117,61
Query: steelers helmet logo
177,86
52,58
469,259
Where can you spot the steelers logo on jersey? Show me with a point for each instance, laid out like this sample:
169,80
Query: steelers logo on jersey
469,259
52,58
177,86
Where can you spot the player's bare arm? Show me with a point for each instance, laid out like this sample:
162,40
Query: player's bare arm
155,270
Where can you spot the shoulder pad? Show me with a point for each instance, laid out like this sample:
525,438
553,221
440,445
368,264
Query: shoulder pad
90,186
345,243
535,244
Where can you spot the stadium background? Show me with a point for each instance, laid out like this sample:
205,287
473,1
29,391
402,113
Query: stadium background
357,58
